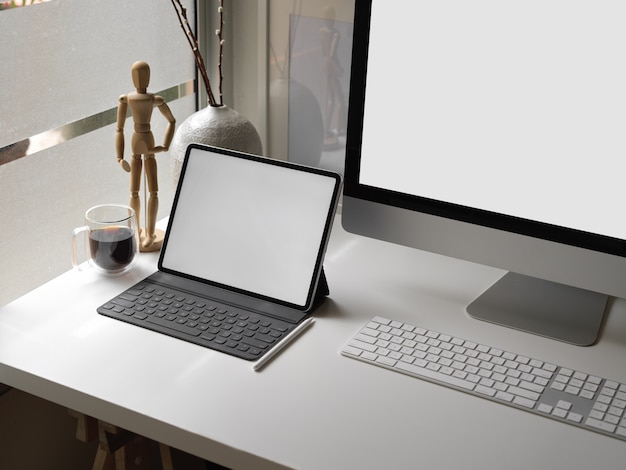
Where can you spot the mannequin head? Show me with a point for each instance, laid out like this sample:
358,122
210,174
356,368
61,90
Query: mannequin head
141,75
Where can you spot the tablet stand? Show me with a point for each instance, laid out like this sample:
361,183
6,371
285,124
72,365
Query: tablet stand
321,293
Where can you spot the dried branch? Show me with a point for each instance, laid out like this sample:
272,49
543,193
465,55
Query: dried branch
219,33
181,12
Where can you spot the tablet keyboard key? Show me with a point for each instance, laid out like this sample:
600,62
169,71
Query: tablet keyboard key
254,342
174,326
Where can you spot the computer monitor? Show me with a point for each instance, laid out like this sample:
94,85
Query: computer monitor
495,132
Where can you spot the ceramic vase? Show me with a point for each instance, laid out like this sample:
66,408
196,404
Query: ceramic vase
217,126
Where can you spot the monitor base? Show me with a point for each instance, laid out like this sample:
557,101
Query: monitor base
541,307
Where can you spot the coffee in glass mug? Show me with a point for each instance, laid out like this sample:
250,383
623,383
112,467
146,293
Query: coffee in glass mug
108,241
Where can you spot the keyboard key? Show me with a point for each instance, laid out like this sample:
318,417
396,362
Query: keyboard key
490,392
525,402
262,345
386,360
544,408
603,426
428,373
174,326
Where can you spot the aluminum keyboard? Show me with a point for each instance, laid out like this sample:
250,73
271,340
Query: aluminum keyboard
573,397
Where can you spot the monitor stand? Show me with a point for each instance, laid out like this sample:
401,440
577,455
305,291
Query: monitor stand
541,307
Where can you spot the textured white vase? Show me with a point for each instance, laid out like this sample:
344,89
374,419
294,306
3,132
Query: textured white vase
217,126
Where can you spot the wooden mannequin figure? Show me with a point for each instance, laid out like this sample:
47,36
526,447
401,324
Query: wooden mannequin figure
141,105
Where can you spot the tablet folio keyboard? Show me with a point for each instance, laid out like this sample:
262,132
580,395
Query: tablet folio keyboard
205,322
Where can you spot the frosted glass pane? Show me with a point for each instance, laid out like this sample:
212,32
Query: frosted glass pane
44,196
68,59
61,62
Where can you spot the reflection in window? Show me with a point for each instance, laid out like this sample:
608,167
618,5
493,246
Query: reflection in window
19,3
319,72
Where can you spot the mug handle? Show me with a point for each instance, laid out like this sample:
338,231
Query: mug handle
76,233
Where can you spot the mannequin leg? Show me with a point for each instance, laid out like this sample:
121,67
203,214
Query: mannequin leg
135,182
153,200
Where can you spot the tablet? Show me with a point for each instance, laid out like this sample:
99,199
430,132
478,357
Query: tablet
250,224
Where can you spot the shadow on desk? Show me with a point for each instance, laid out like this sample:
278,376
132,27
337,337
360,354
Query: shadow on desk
328,309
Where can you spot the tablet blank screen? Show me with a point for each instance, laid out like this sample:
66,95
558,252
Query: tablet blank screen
247,224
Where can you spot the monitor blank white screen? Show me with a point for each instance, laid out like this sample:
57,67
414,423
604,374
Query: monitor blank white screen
517,108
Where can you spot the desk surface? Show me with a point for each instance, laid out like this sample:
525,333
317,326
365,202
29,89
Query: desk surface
309,408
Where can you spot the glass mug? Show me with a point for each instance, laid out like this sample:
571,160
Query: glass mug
109,241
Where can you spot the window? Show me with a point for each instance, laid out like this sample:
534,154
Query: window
276,75
69,62
65,63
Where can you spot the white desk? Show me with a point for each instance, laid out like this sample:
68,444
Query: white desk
309,408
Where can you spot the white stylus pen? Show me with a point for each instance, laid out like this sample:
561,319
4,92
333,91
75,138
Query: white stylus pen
286,340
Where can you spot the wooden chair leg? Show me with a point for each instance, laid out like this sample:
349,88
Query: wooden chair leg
166,457
119,449
134,455
103,460
86,426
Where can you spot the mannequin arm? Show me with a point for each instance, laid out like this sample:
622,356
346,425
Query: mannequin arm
169,131
122,109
